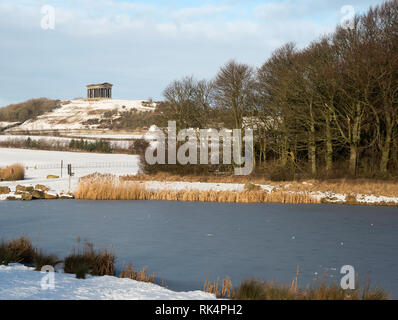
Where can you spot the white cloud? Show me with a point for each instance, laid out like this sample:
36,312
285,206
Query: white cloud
141,47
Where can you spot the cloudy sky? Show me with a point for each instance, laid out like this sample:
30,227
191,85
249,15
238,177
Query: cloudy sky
140,46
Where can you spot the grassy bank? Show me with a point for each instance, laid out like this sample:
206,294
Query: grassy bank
82,261
110,188
342,186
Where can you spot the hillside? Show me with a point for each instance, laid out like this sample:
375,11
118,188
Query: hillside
82,114
14,114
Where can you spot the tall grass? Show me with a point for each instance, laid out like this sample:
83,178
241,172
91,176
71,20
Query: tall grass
138,275
90,261
17,251
13,172
220,290
254,289
110,188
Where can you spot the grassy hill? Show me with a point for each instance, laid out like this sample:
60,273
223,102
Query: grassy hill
29,109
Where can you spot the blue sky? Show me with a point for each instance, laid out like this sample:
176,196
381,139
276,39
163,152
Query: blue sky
141,46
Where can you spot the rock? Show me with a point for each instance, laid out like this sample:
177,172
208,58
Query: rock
4,190
12,198
38,194
51,176
26,197
21,188
50,196
41,187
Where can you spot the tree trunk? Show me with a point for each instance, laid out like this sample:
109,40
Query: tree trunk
284,151
312,146
355,138
353,159
385,150
329,145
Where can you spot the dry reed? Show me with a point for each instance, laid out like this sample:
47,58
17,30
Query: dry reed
138,275
13,172
110,188
340,186
214,287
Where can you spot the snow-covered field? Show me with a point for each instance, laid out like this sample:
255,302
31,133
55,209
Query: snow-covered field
18,282
72,114
40,163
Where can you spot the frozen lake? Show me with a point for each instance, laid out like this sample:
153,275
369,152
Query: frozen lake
183,243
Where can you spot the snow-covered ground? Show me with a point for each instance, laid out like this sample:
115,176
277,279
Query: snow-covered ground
72,114
40,163
18,282
4,124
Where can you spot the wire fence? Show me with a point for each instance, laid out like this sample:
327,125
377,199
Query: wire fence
86,165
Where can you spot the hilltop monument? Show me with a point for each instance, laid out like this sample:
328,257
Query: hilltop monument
99,91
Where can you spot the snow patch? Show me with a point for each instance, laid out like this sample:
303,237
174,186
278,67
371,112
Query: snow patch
23,283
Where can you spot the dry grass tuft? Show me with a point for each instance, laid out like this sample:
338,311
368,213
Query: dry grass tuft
17,251
12,173
214,287
138,275
89,261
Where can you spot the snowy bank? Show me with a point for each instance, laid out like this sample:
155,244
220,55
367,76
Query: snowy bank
18,282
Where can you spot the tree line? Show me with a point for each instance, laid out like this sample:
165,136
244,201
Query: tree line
328,109
29,109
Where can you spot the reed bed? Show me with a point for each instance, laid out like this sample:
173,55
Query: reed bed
340,186
13,172
110,188
254,289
